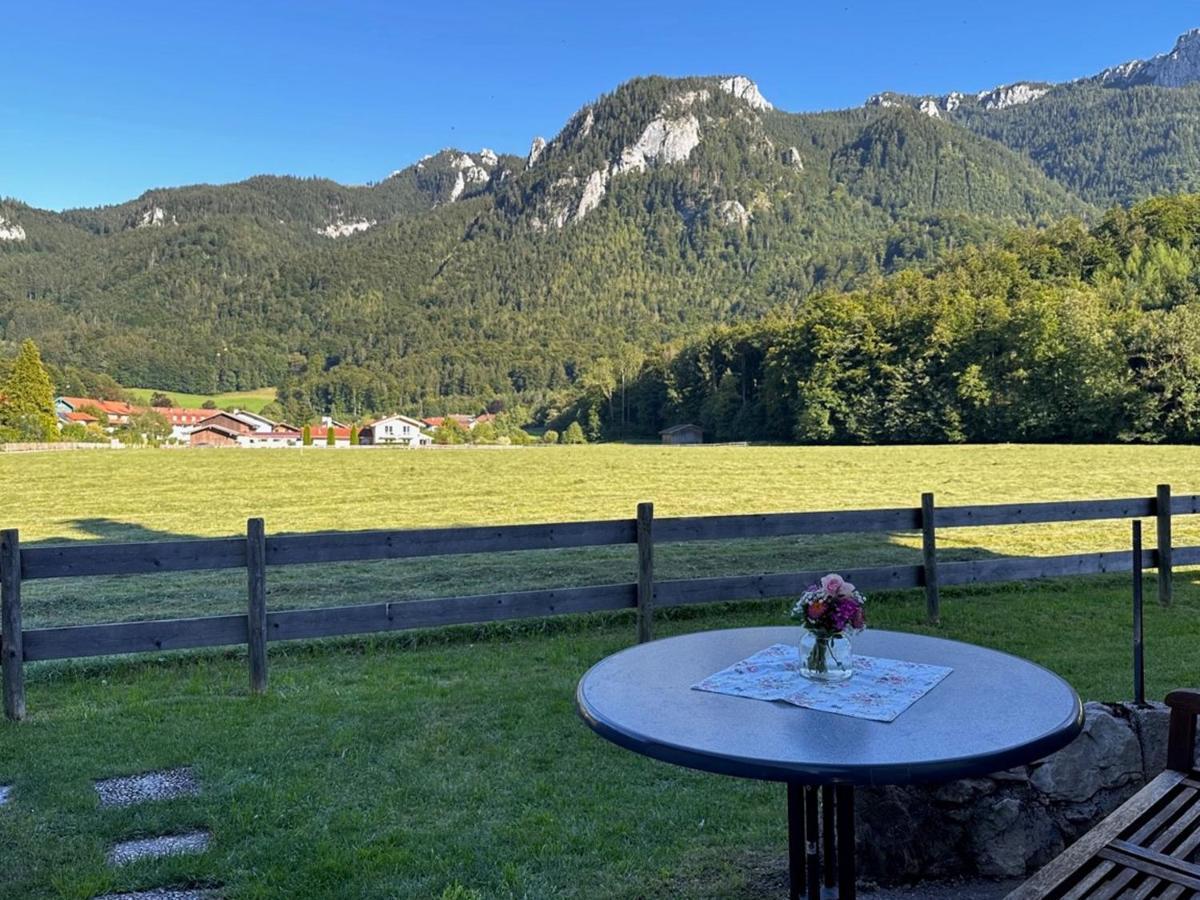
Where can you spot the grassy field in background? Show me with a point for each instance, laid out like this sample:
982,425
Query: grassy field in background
252,401
451,764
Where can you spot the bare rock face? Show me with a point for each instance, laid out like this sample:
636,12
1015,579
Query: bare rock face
488,157
791,157
154,217
11,231
340,227
1178,68
730,212
535,150
886,99
663,141
1011,95
744,89
593,192
929,107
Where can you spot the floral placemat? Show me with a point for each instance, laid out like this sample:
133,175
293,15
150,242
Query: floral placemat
880,689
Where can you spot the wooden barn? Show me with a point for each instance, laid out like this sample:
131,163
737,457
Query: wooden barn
683,434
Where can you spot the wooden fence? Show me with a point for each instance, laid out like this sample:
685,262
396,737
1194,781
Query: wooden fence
256,552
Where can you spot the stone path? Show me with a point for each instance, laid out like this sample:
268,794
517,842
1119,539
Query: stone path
133,789
150,787
126,852
164,894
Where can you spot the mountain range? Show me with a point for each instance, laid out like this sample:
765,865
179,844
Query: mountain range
659,210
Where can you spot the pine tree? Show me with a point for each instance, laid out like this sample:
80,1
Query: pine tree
306,436
27,398
354,436
330,437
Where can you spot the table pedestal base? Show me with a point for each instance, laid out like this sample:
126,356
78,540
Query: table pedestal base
820,841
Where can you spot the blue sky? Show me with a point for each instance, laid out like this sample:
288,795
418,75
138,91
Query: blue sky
104,99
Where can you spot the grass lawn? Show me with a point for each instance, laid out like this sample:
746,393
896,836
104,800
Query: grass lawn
439,765
451,764
252,401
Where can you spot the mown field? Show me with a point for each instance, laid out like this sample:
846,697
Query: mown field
450,764
248,400
132,495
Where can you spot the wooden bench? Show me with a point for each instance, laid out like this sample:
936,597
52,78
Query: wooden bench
1147,848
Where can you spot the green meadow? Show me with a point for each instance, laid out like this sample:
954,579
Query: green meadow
253,401
450,764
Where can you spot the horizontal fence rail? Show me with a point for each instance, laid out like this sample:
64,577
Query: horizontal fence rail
257,552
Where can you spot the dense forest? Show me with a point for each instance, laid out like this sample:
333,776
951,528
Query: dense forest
1056,334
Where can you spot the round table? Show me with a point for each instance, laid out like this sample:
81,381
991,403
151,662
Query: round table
992,712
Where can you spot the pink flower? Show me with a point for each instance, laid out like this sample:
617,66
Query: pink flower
847,589
832,584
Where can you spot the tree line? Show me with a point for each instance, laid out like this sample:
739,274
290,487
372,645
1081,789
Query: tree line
1059,334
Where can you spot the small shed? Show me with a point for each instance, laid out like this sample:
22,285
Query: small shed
683,434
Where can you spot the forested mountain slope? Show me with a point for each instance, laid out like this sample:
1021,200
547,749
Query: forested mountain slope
658,210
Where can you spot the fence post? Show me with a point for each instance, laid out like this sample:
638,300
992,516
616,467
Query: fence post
929,555
256,624
645,584
1139,662
1162,511
11,649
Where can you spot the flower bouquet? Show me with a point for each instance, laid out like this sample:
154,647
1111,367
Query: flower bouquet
831,613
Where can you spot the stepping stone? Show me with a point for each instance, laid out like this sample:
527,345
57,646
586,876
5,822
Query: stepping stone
164,894
5,793
157,847
161,785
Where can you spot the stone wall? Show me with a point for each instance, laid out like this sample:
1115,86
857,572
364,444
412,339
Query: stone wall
1012,823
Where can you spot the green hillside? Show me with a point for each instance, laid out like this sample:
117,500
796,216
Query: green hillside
252,401
472,278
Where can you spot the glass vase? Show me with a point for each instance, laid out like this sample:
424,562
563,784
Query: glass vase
825,656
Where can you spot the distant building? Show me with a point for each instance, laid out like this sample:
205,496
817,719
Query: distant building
467,422
395,430
682,434
182,419
118,413
212,435
76,418
232,421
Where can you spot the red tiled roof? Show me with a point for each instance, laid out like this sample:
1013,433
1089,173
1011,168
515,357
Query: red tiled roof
436,421
181,415
319,431
85,418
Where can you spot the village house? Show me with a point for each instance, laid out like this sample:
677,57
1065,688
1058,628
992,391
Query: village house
76,418
395,430
467,422
181,419
118,412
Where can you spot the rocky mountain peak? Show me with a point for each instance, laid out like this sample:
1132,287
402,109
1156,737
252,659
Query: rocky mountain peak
1010,95
744,89
1178,68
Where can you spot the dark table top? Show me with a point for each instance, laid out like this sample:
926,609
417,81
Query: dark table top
994,711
